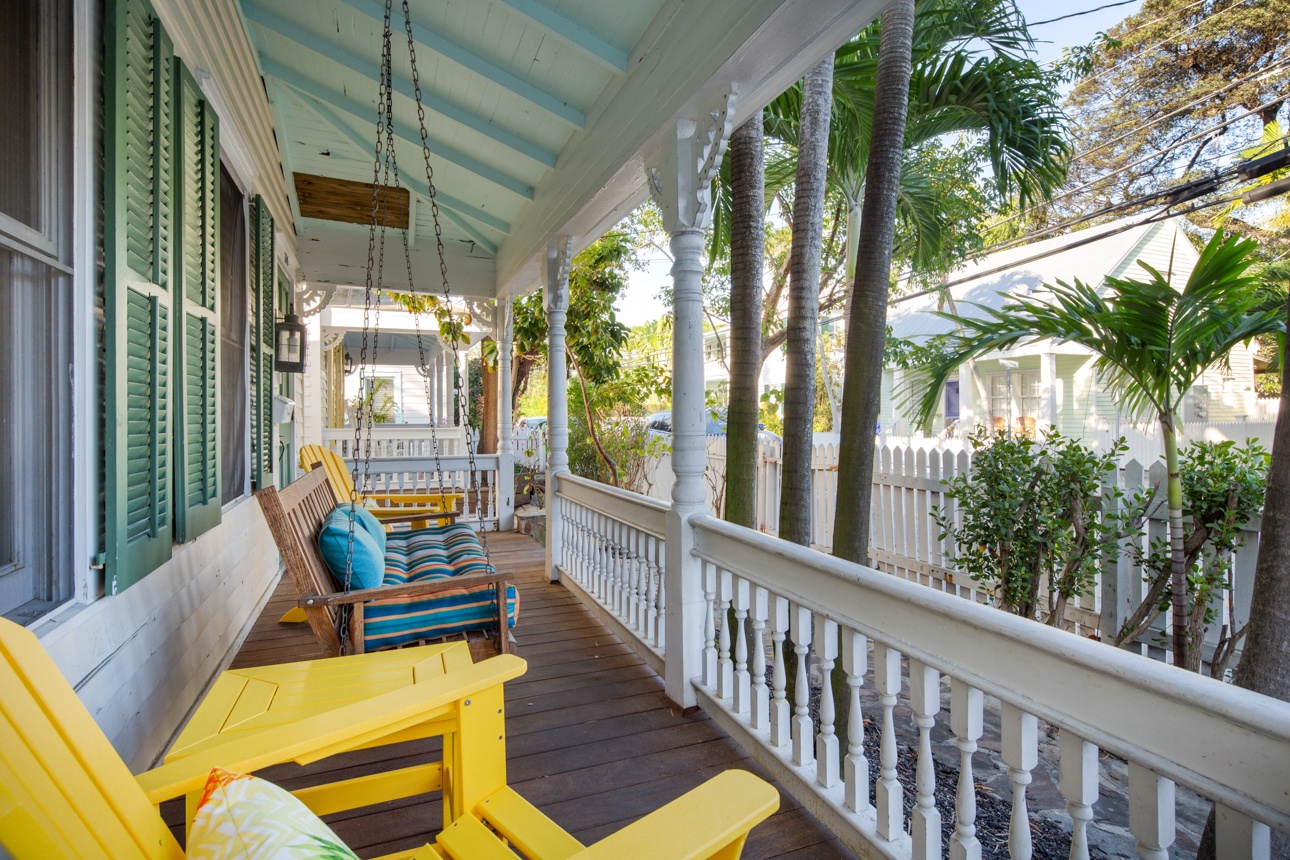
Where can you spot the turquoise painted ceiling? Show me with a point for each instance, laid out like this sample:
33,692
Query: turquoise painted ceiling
505,85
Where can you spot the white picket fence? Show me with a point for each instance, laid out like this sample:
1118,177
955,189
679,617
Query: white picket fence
905,540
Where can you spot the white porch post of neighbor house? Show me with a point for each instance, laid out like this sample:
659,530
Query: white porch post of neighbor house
432,386
503,333
1047,417
682,184
462,393
967,401
558,256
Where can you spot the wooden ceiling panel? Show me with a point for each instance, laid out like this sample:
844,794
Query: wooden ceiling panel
342,200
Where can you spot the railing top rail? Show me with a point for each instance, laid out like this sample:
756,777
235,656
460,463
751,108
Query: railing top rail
1227,743
397,430
641,511
449,462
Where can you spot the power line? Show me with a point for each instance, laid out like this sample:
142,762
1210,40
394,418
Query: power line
1078,14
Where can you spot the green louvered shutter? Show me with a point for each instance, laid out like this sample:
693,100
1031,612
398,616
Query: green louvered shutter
138,80
262,288
196,334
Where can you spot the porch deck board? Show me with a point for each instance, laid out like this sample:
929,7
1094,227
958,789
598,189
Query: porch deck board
591,739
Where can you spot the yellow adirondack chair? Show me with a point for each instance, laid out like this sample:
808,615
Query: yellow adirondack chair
389,507
64,792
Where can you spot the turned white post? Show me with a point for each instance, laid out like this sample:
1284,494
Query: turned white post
779,710
855,662
966,706
799,624
434,372
1238,835
742,683
1151,812
691,155
760,695
725,666
925,819
1020,752
558,256
1078,784
462,393
505,323
827,757
888,793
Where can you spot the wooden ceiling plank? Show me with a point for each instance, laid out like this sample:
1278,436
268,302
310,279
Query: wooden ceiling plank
571,33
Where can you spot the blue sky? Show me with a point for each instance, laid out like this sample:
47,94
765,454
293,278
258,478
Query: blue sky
639,302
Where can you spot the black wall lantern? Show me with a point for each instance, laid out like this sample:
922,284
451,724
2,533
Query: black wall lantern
349,364
289,335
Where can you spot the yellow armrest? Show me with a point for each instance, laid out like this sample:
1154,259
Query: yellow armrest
697,825
303,740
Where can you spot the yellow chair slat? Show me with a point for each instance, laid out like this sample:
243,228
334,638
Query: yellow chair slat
712,821
373,788
64,766
536,836
388,504
468,839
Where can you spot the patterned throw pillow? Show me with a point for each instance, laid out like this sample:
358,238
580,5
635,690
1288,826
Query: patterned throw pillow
242,816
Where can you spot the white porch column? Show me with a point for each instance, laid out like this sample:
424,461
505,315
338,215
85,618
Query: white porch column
1047,417
504,328
432,381
311,396
682,184
461,394
558,256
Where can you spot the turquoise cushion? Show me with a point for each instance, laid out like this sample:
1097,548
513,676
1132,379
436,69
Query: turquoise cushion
371,525
333,543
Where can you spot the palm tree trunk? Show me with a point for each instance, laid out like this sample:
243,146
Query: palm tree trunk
1177,554
867,323
803,319
747,248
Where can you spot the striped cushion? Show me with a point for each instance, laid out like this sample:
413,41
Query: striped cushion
435,553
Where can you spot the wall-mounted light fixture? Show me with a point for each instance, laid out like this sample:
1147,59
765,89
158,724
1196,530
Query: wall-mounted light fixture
289,335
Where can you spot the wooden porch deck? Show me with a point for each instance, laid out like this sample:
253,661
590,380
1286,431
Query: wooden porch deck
591,741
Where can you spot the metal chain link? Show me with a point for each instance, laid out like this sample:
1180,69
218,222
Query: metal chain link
462,396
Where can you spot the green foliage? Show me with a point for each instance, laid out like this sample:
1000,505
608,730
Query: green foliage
1171,71
1030,520
451,326
770,412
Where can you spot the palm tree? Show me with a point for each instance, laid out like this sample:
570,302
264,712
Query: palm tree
804,302
747,218
1152,342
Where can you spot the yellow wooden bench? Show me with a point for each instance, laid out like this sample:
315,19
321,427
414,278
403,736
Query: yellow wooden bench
387,507
65,793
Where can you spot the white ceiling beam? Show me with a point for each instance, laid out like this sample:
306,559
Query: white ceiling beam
336,54
475,64
571,33
330,97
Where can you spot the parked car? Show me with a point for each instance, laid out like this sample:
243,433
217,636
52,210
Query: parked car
660,424
531,422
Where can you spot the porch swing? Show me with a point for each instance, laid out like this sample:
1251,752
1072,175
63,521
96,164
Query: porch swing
433,580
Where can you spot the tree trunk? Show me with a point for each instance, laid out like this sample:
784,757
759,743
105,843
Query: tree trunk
1177,555
1265,657
803,318
747,249
867,324
489,408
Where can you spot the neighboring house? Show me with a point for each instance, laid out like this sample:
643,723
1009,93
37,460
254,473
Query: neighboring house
1047,383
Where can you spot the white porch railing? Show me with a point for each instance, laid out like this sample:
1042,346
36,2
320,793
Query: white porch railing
429,474
398,440
613,548
902,645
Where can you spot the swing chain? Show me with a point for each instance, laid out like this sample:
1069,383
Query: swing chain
462,396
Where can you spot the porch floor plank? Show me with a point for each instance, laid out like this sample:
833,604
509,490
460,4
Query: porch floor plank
591,739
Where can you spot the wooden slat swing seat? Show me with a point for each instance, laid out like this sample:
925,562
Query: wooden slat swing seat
65,793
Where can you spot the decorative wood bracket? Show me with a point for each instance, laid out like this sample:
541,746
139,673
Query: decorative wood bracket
313,300
682,181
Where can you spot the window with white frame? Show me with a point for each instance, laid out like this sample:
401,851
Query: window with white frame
1015,395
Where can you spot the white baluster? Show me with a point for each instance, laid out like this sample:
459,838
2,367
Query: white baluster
1079,785
1151,812
855,662
620,569
742,686
651,591
889,794
634,593
725,667
1236,835
1020,739
966,722
925,819
799,620
779,725
709,629
760,718
827,764
659,627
